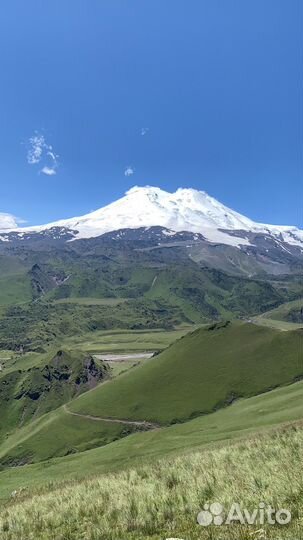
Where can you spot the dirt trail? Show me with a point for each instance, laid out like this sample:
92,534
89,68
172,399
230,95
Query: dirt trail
143,424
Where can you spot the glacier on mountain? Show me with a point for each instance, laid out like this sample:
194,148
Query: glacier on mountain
185,210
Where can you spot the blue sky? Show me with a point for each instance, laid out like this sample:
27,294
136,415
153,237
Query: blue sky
218,84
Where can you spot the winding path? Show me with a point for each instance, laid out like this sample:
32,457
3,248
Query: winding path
136,423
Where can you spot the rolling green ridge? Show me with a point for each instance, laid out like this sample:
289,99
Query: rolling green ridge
204,371
243,418
200,373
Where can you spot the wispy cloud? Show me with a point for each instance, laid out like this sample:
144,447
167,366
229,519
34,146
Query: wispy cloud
35,150
129,171
8,221
39,151
144,131
49,171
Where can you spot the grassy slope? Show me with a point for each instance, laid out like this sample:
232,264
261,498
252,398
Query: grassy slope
282,312
15,289
36,389
92,301
133,292
205,370
36,325
158,501
212,293
97,342
276,324
26,372
57,434
286,316
242,418
15,286
201,372
128,340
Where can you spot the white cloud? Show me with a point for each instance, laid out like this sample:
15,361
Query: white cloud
35,150
144,131
129,171
39,151
49,171
8,221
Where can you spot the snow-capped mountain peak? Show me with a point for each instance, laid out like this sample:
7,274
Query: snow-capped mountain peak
185,210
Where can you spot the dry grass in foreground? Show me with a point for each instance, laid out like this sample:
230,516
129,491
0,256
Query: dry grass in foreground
162,500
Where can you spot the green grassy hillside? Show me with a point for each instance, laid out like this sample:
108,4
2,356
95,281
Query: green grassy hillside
57,434
211,292
203,371
154,502
243,418
291,312
37,325
72,289
128,340
15,289
52,380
